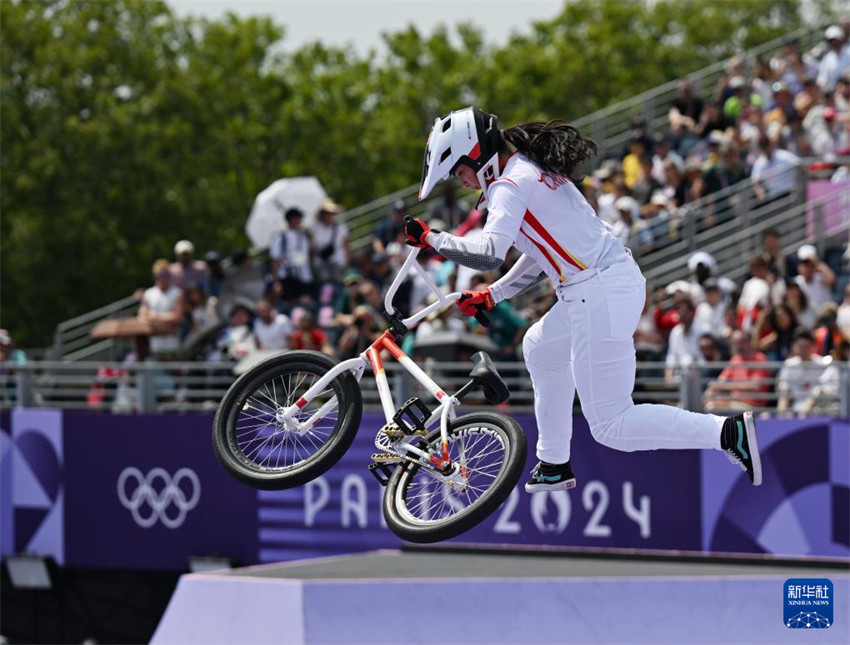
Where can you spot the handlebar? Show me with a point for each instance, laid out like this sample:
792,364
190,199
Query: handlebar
442,300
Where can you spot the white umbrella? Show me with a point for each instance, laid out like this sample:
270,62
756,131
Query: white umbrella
303,193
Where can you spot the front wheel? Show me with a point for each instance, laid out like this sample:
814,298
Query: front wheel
488,453
258,448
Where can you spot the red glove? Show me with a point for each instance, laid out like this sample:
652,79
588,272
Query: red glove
417,232
471,302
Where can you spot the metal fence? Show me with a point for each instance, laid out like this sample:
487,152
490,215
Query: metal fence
191,387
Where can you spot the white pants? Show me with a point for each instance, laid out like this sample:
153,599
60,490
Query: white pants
585,343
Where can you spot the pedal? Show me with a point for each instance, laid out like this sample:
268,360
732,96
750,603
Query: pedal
381,472
410,418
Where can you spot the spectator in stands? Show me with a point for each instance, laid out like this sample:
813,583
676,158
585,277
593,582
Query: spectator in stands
649,343
359,335
726,172
795,138
201,310
843,316
330,240
761,81
836,60
236,340
632,172
815,277
630,229
798,302
774,330
799,374
711,311
683,343
777,263
163,306
702,266
773,171
685,115
647,184
827,334
776,118
449,209
215,277
272,329
831,137
825,397
662,154
309,336
711,351
607,200
807,97
676,186
290,252
755,293
390,228
187,272
8,351
842,96
739,387
713,120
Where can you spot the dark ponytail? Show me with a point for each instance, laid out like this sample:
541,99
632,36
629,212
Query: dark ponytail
555,146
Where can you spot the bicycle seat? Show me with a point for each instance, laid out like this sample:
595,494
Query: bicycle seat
484,373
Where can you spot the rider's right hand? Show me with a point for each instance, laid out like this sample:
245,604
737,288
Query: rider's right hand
471,302
417,232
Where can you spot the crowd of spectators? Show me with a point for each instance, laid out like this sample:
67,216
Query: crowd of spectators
762,118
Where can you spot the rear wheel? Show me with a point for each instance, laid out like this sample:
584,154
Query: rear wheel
488,453
258,449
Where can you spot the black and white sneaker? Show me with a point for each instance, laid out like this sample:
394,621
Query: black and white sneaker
739,442
550,477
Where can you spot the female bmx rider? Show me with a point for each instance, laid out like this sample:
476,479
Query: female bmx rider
584,342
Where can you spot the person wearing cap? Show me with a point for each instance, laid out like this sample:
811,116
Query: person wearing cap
330,243
290,251
391,228
187,272
630,228
449,209
773,171
814,277
836,60
702,266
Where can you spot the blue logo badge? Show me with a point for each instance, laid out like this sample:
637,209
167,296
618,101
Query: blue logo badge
808,603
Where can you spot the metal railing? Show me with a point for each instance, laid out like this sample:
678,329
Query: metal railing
729,225
190,387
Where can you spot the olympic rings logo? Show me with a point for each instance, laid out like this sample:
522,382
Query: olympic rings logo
159,491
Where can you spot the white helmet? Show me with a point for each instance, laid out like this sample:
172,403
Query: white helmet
469,136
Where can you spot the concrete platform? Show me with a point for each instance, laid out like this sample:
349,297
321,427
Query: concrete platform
396,597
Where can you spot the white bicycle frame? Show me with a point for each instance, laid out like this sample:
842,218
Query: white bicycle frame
372,357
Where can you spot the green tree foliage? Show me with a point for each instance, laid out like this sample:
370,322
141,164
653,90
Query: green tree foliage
125,128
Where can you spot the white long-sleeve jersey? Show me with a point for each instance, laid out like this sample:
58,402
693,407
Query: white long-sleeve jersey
547,219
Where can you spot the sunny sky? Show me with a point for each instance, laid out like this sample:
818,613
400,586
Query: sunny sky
361,22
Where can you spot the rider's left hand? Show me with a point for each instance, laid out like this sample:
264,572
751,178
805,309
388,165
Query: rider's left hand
471,302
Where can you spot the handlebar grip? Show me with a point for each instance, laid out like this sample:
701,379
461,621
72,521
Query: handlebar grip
482,318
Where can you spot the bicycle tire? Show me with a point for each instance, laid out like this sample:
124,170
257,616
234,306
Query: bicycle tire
399,518
226,435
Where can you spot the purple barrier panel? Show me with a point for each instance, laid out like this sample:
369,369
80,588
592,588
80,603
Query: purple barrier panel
35,464
803,504
644,499
7,524
835,209
147,492
638,500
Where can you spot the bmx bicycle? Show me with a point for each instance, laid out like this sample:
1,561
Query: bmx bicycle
291,417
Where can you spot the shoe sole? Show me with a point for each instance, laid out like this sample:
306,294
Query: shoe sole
752,442
539,488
